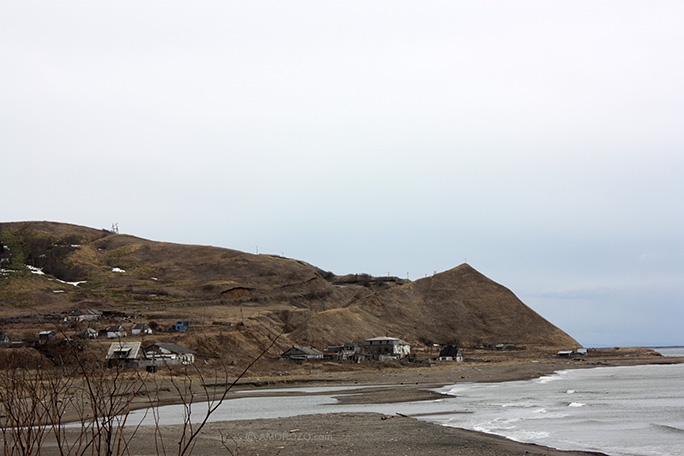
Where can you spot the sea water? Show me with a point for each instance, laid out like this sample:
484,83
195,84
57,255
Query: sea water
670,351
625,411
620,411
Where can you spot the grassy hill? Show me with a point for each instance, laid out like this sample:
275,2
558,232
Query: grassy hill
459,306
52,267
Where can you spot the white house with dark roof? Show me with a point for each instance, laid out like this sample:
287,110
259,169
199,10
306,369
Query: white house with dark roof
168,353
84,315
451,353
88,333
113,332
140,328
46,336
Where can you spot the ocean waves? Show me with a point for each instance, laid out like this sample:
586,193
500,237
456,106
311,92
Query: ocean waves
614,410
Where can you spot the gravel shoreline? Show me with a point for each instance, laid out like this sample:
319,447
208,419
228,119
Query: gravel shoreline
348,434
356,434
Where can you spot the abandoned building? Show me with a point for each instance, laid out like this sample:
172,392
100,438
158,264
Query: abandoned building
350,351
297,353
387,348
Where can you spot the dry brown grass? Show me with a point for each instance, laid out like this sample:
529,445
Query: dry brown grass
168,282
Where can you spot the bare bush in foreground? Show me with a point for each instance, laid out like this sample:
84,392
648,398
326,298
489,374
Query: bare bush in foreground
85,409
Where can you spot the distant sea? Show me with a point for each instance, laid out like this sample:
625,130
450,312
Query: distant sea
619,411
670,351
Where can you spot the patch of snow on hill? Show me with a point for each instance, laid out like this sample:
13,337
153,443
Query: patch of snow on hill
69,283
35,270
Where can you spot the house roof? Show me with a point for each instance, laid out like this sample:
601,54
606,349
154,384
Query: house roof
306,350
140,326
86,312
450,350
389,340
173,348
124,350
114,328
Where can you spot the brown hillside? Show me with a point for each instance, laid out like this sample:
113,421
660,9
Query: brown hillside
123,270
89,268
458,306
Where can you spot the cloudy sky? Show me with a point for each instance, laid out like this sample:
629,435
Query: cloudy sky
543,141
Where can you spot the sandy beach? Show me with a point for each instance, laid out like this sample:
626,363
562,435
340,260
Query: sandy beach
343,434
362,433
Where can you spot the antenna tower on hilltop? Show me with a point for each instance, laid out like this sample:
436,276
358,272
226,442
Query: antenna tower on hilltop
115,228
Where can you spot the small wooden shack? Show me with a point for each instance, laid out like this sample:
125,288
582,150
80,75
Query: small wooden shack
297,353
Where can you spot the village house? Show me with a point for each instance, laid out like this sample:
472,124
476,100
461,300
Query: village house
167,353
387,348
88,333
45,336
140,328
112,314
181,325
570,353
124,354
297,353
350,351
5,340
84,315
113,332
451,353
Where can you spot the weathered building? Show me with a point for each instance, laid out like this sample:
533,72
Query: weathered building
385,348
47,335
298,353
140,328
84,315
451,353
167,353
113,332
124,354
350,351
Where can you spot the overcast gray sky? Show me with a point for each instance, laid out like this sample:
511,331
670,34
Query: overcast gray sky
541,140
